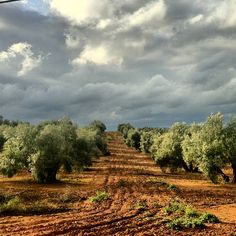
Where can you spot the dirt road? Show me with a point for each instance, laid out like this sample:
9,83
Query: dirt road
134,200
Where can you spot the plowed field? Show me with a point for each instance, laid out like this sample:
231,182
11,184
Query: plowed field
137,192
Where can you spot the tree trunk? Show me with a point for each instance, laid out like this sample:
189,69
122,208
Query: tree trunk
224,176
51,176
233,165
185,166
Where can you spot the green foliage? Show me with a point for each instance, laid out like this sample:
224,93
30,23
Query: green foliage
166,149
50,156
95,141
10,122
172,187
16,205
185,222
190,147
141,206
133,138
147,139
230,145
124,128
2,141
12,205
17,148
98,125
175,206
100,196
184,216
45,149
209,218
204,147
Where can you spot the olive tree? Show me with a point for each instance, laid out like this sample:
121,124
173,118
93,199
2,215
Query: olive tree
124,129
230,145
133,138
45,149
205,148
167,150
147,138
17,148
98,125
190,148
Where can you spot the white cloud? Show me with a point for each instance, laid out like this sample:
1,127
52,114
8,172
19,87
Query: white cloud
100,55
224,14
104,23
82,11
196,19
152,12
24,50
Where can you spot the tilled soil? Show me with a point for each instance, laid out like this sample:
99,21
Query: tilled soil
135,199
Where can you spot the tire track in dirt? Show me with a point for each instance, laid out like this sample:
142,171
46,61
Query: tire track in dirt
123,176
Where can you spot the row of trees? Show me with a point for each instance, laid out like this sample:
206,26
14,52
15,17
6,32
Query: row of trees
206,147
51,146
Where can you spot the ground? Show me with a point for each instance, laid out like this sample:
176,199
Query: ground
137,192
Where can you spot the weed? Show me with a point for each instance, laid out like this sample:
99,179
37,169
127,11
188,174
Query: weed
172,187
190,212
141,206
153,180
13,204
184,216
209,218
100,196
174,206
17,206
67,198
149,214
185,222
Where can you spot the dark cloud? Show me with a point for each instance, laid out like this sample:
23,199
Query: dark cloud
179,67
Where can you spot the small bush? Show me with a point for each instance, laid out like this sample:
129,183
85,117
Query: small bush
133,139
184,216
100,196
175,206
12,205
155,181
185,222
209,218
18,206
141,206
172,187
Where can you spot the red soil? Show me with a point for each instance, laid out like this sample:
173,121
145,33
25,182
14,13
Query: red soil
125,176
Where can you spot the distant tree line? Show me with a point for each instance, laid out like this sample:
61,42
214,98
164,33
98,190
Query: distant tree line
205,147
49,147
10,122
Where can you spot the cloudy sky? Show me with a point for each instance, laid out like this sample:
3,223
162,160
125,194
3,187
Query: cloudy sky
148,62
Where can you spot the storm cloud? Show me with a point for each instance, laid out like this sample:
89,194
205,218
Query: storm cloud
148,62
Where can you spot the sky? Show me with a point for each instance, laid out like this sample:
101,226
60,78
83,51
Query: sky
147,62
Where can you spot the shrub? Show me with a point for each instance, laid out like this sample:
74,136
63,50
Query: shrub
133,138
166,149
205,147
146,141
141,206
209,218
98,125
100,196
184,216
124,128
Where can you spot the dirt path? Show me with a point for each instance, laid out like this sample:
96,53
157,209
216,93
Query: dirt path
133,200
